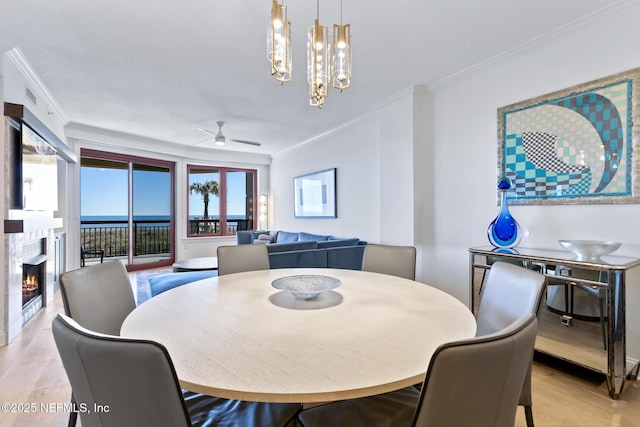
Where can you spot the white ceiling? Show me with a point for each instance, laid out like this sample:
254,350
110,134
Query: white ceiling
164,68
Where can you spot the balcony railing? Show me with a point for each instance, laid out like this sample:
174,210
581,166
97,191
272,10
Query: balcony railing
152,236
212,226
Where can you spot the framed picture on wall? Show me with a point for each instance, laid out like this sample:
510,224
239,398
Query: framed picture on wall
315,194
575,146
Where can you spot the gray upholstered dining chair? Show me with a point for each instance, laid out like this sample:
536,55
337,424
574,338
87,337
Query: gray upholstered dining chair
397,261
473,382
98,297
126,382
495,258
509,293
239,258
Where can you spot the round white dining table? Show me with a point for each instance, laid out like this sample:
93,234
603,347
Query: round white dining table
237,337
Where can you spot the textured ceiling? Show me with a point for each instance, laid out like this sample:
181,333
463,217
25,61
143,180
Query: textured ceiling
164,68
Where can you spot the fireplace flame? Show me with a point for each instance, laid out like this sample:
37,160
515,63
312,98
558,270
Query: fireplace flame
30,283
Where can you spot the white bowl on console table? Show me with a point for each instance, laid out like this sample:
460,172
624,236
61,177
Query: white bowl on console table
589,250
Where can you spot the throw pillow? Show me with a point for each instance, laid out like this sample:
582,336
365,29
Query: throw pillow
266,238
256,234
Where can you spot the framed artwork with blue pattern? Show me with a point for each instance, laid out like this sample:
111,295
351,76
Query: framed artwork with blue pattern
575,146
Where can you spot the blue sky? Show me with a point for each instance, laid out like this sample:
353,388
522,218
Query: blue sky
235,194
103,192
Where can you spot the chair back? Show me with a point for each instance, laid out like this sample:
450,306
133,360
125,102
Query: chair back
132,381
98,297
477,382
509,293
397,261
239,258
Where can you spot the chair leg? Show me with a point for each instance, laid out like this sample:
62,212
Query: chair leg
528,415
73,415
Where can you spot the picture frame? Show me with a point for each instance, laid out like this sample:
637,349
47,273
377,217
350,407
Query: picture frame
573,146
315,194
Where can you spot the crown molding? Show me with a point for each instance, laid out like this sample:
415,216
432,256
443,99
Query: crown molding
18,59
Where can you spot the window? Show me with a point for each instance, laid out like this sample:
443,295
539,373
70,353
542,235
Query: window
221,200
126,209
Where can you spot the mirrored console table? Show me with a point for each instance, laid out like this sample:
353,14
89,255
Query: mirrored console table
607,342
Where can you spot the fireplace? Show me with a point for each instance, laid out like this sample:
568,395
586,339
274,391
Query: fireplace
34,278
28,248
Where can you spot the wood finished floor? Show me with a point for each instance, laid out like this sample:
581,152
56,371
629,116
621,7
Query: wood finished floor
31,373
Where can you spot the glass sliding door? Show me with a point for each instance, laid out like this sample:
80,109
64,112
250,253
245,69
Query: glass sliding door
152,203
104,209
127,209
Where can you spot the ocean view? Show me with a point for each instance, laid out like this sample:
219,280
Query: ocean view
162,219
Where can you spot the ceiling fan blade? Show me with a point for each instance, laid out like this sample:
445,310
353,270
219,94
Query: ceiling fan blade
257,144
219,137
207,132
203,141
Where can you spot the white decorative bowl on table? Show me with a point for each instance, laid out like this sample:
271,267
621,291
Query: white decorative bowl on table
306,286
586,250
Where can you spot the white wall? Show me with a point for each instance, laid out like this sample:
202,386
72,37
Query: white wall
354,151
396,170
423,186
465,133
374,157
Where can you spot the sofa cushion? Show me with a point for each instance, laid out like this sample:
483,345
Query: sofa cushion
292,246
335,243
244,236
348,257
299,259
164,282
309,236
287,236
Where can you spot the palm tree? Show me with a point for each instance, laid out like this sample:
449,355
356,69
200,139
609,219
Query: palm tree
209,187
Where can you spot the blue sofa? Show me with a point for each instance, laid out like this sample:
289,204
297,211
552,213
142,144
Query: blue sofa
304,250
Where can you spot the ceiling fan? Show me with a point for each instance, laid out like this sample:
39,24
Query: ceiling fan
220,139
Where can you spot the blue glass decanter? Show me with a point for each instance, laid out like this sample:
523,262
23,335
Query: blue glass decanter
504,231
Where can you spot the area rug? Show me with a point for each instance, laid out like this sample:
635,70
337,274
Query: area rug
142,282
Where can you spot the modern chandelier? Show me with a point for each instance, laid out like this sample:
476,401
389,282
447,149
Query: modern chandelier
279,43
321,68
341,54
318,51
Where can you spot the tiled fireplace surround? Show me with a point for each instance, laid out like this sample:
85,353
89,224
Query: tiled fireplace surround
33,228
